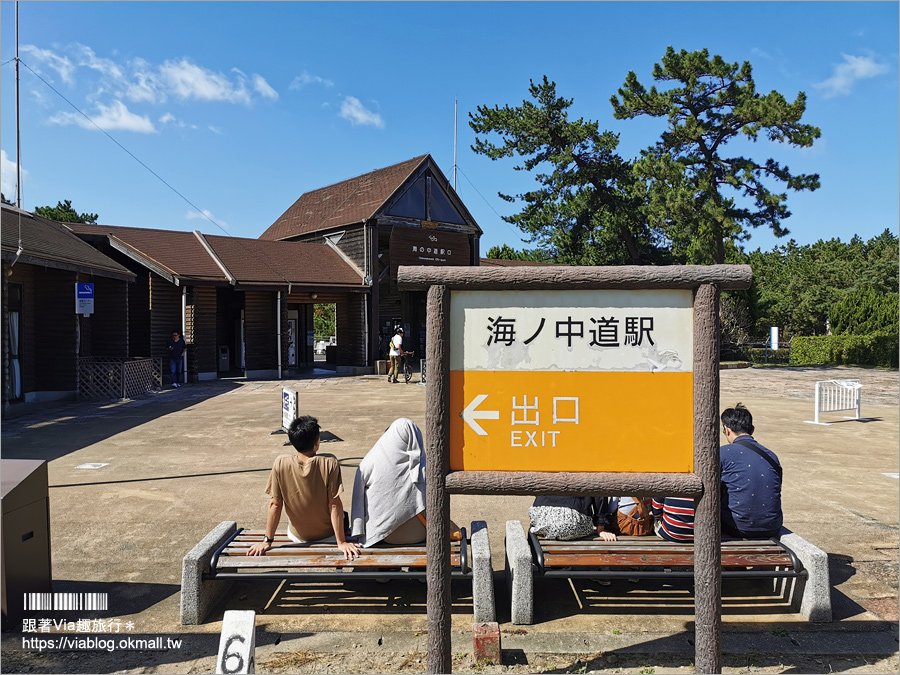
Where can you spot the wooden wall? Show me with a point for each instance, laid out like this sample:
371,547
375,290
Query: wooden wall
54,330
350,320
105,332
353,245
202,355
165,316
259,330
139,317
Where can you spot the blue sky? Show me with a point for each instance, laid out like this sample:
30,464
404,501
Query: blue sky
243,106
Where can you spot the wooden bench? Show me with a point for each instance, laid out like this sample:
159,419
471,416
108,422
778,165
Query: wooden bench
289,560
653,558
221,558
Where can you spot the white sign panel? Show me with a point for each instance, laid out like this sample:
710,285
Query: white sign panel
289,407
634,331
774,337
84,299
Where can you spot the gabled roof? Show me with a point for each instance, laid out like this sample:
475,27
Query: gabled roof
257,262
187,258
350,201
48,243
174,255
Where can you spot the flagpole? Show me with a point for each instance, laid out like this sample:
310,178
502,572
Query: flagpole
455,117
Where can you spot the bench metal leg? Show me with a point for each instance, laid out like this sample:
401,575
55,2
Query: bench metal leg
813,594
519,580
482,574
199,596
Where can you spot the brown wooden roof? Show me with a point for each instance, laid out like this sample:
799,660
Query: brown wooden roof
167,252
182,258
47,243
257,262
345,203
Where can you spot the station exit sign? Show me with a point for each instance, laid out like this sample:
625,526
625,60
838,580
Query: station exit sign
587,380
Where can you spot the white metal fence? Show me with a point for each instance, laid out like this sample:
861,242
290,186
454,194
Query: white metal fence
836,396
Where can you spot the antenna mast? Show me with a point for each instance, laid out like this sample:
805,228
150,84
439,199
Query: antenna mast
455,104
18,140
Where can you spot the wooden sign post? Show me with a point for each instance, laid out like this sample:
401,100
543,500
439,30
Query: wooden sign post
544,380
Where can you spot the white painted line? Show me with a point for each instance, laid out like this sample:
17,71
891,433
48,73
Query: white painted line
92,465
892,475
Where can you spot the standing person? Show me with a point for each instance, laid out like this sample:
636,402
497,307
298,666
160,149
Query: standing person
396,353
308,486
176,346
751,481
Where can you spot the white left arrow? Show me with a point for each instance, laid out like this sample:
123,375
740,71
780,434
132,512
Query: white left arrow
469,414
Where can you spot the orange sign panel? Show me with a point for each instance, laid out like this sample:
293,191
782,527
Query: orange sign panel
571,421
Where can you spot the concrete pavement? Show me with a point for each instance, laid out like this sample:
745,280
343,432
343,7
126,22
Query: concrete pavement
180,461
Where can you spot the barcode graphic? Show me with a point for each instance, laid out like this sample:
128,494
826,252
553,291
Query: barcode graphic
66,601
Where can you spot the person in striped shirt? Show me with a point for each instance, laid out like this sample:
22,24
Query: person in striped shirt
673,518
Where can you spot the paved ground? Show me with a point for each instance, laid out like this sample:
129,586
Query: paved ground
180,461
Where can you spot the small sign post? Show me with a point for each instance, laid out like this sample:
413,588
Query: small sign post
774,339
290,410
84,299
289,407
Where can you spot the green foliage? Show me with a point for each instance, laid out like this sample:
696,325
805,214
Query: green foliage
586,209
505,252
763,355
865,312
692,186
795,287
64,213
323,321
846,350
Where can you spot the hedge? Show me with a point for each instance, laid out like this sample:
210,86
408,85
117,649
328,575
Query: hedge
846,350
763,355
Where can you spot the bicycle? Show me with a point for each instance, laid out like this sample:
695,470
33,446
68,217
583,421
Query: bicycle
407,366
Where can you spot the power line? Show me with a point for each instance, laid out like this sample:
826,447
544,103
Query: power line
518,234
156,175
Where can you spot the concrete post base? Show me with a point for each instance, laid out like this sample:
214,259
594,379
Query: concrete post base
519,580
199,596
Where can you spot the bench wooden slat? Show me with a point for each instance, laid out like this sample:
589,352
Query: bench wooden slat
318,560
661,559
237,547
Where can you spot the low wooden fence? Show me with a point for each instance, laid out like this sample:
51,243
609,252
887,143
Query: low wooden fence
101,377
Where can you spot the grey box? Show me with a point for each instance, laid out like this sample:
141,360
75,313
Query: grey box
25,547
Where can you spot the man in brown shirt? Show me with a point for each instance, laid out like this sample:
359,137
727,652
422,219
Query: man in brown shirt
308,486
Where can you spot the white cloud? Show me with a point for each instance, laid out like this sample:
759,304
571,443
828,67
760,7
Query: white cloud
61,64
114,116
756,51
87,58
207,216
215,130
263,89
357,114
188,81
165,119
8,176
847,73
305,78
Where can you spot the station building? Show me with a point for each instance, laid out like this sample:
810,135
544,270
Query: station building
245,306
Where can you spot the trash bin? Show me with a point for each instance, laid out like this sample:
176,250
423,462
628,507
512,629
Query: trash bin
25,536
224,358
